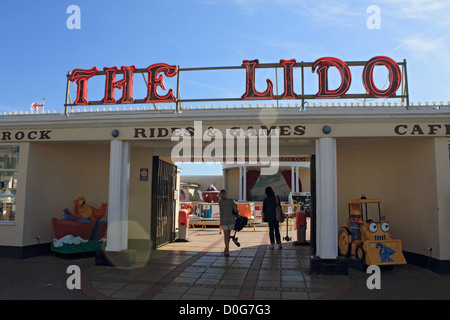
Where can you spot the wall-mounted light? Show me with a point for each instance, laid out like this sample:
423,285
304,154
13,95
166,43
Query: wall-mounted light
326,129
115,133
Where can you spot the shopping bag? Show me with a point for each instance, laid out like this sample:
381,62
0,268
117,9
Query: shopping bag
279,211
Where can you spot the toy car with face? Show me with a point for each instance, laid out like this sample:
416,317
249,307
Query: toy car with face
366,241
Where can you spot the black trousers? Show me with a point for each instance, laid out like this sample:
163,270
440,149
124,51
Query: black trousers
274,232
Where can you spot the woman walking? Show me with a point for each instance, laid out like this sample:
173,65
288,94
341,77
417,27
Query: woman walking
228,211
269,215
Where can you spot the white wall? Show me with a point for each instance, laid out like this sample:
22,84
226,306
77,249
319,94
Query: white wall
140,195
403,174
57,174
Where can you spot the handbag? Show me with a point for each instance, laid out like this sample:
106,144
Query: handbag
241,222
279,212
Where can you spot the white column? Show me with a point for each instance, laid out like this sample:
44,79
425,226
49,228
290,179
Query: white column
292,179
326,193
119,175
224,179
244,193
297,185
240,184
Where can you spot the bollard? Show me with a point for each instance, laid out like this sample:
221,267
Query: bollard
300,225
183,226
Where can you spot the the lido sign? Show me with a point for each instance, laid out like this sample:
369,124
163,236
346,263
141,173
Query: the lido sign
157,72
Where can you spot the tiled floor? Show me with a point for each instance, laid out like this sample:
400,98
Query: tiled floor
198,270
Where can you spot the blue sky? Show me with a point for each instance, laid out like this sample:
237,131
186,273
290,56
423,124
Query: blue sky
37,49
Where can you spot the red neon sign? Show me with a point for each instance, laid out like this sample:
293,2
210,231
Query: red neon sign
156,80
157,71
322,66
81,77
126,84
250,92
394,77
288,66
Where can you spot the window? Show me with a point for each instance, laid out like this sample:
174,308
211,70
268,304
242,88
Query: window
9,164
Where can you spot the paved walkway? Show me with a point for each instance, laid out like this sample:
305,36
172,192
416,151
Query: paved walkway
198,270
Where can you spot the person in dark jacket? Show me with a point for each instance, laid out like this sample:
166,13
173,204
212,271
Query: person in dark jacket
269,216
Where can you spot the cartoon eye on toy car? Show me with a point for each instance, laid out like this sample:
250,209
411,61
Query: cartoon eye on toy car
366,241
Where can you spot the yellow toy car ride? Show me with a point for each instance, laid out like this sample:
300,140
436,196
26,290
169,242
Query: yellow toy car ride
368,242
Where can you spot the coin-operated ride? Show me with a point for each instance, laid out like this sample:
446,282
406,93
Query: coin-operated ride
365,241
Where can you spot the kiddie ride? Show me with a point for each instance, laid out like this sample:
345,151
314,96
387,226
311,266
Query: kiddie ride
366,242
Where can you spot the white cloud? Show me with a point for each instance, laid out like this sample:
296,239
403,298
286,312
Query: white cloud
421,27
420,43
416,9
248,6
333,12
429,56
325,11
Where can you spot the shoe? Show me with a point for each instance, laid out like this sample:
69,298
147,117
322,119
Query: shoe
226,254
271,246
279,246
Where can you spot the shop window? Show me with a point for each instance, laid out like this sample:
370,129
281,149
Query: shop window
9,164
